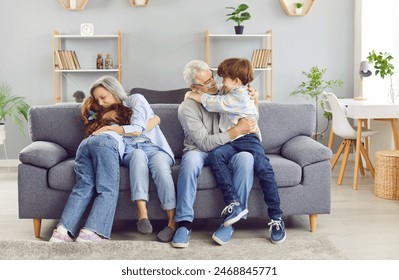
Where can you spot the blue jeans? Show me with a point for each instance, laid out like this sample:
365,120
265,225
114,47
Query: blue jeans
97,175
143,158
240,165
219,159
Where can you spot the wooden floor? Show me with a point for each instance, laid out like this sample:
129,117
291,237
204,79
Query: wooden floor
361,225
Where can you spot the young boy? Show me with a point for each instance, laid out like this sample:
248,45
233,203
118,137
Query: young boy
233,103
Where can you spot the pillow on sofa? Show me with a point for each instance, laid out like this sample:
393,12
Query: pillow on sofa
175,96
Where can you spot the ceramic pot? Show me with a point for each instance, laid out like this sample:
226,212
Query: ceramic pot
298,11
239,29
72,4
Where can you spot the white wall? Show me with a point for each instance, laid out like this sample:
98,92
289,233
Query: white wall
159,39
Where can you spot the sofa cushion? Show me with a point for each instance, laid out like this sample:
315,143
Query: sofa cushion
43,154
287,173
280,122
61,124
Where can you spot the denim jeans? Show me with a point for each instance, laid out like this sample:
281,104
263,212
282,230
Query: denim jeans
97,175
143,158
219,159
240,165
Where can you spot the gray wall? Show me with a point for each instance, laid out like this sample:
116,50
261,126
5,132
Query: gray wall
159,39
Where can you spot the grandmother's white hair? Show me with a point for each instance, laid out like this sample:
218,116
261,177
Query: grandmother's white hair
112,85
192,69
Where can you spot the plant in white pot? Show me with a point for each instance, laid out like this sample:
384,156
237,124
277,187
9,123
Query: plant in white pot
239,15
298,8
13,107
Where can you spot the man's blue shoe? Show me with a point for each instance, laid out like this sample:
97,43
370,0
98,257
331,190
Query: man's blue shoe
233,212
277,229
181,239
223,235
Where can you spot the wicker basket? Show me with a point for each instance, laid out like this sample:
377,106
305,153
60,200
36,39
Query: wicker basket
386,182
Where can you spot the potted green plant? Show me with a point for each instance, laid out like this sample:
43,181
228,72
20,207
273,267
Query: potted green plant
313,89
298,8
383,67
238,15
11,106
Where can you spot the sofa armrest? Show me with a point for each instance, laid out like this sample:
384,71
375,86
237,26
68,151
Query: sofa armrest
305,151
43,154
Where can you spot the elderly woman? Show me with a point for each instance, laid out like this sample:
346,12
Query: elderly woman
140,146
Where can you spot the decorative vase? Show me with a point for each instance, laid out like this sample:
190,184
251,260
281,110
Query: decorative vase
239,29
392,95
72,4
2,133
109,64
100,61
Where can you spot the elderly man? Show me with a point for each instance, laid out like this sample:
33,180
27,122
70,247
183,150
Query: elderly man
203,135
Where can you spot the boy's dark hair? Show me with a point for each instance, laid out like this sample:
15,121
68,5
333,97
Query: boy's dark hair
96,116
234,68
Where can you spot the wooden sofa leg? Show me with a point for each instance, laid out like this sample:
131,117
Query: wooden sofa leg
37,224
313,221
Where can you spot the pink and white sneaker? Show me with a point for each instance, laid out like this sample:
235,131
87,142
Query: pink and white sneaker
89,237
57,237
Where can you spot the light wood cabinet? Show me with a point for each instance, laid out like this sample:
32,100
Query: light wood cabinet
60,74
252,40
80,5
289,7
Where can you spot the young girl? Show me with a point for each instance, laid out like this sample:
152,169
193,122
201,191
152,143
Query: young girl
96,116
139,145
234,102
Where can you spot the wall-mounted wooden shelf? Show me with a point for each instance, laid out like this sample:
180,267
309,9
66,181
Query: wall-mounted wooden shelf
139,3
80,5
289,7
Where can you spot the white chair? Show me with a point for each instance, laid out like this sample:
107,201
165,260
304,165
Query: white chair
342,128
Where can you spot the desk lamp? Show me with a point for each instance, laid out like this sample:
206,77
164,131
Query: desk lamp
364,72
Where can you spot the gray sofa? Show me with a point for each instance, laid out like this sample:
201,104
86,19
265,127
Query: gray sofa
302,165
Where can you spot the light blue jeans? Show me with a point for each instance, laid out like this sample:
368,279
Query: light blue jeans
143,158
242,169
97,175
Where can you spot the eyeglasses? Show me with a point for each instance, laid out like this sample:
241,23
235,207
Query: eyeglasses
210,83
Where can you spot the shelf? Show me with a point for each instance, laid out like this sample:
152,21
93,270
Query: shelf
139,3
240,35
265,38
87,70
62,73
86,37
289,7
80,5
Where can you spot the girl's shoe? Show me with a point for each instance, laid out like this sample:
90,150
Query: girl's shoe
59,238
89,237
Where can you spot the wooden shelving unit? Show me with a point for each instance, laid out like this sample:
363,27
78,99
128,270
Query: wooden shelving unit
58,74
289,7
80,5
268,73
138,3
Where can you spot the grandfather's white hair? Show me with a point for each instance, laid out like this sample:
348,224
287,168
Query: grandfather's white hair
192,69
112,85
